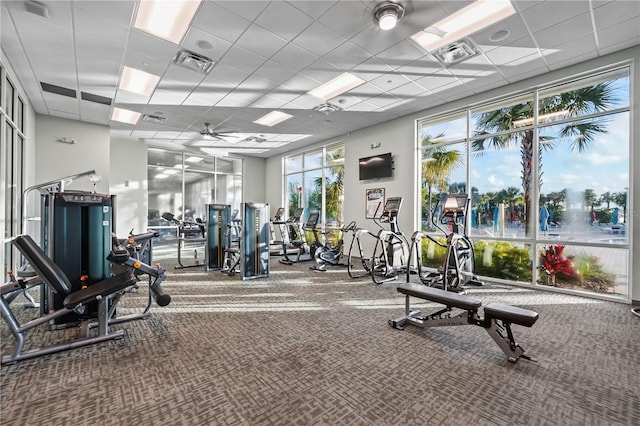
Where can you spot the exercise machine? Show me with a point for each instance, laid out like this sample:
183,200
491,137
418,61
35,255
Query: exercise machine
327,253
218,220
497,319
293,238
189,233
458,267
76,302
359,265
136,253
76,228
254,241
389,256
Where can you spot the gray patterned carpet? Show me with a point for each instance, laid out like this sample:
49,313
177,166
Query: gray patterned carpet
309,348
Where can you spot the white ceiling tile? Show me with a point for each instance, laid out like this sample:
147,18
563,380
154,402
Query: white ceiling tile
346,56
283,19
401,54
507,54
321,71
435,82
222,72
346,18
313,8
614,12
318,39
512,24
203,96
388,82
301,83
196,38
260,41
620,35
249,9
572,28
371,69
538,17
294,58
221,22
243,59
374,40
563,52
407,91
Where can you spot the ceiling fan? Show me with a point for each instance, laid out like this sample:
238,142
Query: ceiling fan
209,133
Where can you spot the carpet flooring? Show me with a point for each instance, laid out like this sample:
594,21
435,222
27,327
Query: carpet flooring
311,348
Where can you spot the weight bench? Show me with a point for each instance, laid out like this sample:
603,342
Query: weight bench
497,317
75,301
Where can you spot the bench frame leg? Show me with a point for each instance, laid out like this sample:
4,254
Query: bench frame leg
506,343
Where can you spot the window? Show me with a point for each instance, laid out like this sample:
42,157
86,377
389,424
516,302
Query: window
547,171
182,184
314,180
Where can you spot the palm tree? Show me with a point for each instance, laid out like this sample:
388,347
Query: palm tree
437,164
334,184
574,103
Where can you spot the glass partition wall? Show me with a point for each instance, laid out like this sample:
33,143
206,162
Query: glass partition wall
547,173
182,183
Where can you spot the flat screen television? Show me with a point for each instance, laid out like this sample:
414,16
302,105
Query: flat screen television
376,166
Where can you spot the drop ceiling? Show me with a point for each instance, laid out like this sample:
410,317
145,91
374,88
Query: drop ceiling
269,54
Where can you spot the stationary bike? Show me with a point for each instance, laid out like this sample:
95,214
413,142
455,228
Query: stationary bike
328,253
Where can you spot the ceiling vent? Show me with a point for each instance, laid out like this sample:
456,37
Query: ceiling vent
153,118
327,108
193,61
58,90
37,9
457,52
95,98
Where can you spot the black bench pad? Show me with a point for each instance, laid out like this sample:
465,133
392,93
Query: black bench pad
440,296
510,314
101,288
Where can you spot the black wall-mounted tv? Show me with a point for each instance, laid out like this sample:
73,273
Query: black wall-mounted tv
376,166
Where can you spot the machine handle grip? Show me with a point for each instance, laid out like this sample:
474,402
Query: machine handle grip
161,297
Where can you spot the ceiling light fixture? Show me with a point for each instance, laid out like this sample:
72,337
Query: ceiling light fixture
337,86
478,15
125,116
137,81
387,14
168,20
273,118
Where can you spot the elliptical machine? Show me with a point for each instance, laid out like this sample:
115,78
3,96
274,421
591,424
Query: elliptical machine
390,252
458,267
328,253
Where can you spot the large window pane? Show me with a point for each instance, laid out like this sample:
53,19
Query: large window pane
294,189
595,94
591,269
312,192
446,129
499,207
444,170
585,179
293,164
502,116
313,160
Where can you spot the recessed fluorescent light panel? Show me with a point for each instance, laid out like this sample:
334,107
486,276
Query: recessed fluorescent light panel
468,20
193,159
273,118
137,81
125,116
332,88
168,20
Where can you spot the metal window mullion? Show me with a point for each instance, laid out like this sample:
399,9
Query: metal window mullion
535,190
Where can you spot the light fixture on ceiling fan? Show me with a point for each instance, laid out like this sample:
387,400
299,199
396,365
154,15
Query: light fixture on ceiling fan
387,14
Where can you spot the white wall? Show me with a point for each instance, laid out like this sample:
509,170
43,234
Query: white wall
54,160
254,182
128,182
